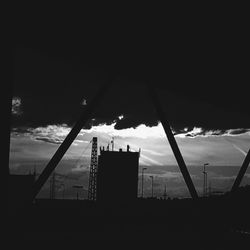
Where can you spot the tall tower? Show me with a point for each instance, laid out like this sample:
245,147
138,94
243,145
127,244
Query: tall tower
93,171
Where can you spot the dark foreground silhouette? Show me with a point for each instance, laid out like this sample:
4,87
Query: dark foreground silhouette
224,217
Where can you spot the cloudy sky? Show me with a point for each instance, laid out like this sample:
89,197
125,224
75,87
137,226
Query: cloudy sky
200,76
32,148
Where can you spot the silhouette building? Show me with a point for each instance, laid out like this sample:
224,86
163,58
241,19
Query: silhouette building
117,176
19,190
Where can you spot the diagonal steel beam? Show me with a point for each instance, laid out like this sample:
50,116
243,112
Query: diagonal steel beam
241,173
172,141
86,115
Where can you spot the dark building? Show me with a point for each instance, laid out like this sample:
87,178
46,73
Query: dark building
19,190
117,176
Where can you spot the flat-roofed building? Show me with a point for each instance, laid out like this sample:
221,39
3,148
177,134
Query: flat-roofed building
117,176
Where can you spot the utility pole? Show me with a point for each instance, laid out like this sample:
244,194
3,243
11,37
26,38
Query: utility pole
142,181
152,189
205,180
77,188
165,193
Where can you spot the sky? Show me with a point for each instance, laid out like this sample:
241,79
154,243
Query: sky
199,74
32,148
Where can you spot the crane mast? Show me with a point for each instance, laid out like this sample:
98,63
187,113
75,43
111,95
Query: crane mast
93,171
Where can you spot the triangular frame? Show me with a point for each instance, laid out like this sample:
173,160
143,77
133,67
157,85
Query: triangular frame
86,116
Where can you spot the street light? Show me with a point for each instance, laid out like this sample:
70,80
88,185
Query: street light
152,179
142,181
205,179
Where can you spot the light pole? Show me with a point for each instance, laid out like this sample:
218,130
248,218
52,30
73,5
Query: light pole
142,181
152,179
205,180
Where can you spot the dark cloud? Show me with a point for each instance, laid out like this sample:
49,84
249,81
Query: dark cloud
238,131
189,135
206,132
203,132
49,140
220,132
20,130
200,73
